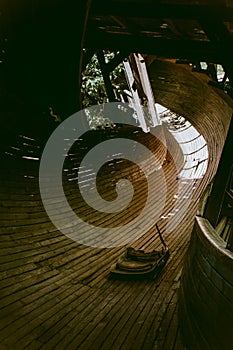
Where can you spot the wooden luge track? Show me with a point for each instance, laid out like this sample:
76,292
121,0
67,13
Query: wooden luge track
55,293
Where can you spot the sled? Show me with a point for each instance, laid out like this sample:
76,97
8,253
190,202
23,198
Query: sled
136,263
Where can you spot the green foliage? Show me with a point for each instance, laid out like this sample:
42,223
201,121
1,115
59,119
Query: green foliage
92,88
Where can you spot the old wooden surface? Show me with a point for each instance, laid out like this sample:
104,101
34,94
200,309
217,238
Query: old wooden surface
56,294
206,290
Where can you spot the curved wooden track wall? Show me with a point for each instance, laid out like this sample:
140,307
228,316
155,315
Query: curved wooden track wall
206,291
206,307
55,293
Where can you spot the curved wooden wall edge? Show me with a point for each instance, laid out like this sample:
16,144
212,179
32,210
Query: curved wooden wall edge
206,291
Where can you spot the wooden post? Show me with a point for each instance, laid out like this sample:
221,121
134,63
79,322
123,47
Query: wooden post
105,73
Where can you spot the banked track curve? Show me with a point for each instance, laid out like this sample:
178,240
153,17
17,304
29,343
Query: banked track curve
55,293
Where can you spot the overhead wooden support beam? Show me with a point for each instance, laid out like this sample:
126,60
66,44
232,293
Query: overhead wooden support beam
180,49
216,199
155,10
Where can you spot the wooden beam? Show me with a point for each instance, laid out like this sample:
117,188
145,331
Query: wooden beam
105,73
119,58
136,100
212,71
125,9
152,118
181,49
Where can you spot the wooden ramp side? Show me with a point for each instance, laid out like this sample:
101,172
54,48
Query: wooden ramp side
56,293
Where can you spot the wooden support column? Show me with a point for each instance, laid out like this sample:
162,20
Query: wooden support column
212,71
105,73
118,58
221,180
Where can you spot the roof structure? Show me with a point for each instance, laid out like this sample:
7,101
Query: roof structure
192,30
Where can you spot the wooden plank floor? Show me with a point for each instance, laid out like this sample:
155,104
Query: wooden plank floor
57,294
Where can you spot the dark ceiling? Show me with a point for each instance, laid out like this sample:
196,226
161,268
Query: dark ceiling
178,29
41,42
